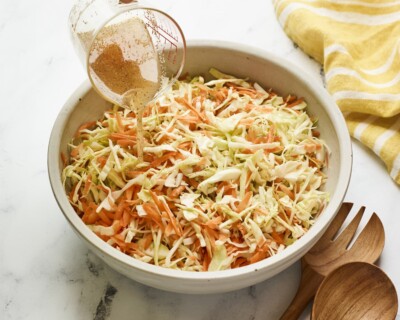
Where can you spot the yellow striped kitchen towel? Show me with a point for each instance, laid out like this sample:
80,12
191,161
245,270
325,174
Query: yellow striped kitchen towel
358,44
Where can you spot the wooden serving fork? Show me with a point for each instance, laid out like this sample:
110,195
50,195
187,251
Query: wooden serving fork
330,253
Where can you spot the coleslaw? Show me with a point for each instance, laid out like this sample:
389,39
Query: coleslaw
232,174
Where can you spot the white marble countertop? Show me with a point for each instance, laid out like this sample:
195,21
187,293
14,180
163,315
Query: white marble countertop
46,272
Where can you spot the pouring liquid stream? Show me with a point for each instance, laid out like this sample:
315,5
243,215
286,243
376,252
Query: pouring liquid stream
136,101
124,67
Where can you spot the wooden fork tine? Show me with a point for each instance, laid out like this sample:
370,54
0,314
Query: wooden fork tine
348,233
372,236
337,222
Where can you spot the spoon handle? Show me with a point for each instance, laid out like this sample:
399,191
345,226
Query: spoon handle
309,283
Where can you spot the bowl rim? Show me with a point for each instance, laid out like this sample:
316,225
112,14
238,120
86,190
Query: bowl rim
290,254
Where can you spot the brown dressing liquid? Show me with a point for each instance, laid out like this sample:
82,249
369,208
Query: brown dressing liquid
125,68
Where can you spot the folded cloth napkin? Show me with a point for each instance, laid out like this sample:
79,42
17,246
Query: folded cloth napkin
358,44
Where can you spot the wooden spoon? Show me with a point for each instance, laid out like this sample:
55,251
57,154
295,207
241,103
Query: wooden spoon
333,251
354,291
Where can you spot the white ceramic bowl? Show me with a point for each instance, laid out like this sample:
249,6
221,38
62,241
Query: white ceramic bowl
271,72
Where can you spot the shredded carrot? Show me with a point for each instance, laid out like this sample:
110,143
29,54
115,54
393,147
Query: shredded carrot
286,190
191,108
102,161
126,143
277,237
85,126
243,204
261,253
153,213
295,103
103,216
177,191
172,218
162,159
125,218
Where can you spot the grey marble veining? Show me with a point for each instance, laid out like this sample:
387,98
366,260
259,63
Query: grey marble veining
46,271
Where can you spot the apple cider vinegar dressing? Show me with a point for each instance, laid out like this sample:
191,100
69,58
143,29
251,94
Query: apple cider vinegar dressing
126,68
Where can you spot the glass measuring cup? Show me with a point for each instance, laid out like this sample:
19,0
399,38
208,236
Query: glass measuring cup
130,50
